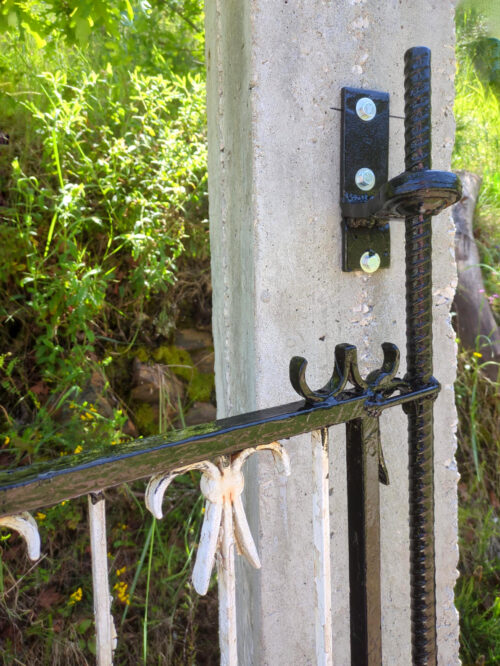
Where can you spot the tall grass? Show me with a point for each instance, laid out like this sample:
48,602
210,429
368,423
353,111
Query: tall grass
477,149
102,202
104,193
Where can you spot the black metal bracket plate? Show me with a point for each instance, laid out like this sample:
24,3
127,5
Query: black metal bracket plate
365,144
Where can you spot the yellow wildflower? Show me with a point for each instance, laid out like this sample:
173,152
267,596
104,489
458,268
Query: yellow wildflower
121,571
477,355
6,440
40,516
78,449
75,597
121,592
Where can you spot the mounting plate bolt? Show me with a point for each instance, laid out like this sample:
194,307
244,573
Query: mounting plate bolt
366,109
365,179
370,261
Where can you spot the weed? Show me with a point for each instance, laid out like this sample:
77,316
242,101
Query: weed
477,111
102,203
97,226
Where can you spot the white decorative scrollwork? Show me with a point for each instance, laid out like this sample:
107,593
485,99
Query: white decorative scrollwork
224,527
26,525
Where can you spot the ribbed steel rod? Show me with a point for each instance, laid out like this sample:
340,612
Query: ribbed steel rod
419,365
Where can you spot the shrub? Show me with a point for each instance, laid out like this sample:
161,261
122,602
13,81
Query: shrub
96,217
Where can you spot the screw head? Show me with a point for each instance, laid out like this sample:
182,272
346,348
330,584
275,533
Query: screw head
366,109
370,261
365,179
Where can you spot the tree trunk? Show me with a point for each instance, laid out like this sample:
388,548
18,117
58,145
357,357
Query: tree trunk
476,325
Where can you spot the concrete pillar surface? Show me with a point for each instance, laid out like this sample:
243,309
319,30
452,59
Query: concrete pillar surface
275,71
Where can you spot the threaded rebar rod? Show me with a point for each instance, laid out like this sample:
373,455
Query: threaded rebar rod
419,366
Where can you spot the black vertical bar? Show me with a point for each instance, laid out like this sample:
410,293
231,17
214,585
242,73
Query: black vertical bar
364,540
419,365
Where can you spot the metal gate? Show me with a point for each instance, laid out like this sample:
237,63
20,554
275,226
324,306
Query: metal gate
219,449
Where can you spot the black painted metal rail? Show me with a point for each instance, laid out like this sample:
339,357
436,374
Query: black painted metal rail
50,482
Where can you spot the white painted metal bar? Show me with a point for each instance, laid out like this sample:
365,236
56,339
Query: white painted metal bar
26,526
226,578
321,537
104,625
225,530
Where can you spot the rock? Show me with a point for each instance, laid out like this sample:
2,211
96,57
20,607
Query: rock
200,412
96,393
204,360
477,327
157,395
155,383
191,339
130,429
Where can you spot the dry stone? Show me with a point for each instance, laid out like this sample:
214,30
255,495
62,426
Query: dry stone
191,339
200,412
157,386
204,360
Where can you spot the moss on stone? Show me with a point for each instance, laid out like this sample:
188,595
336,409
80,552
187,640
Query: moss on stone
200,387
146,419
141,354
178,360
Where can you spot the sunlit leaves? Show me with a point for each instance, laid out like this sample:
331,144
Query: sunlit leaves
73,19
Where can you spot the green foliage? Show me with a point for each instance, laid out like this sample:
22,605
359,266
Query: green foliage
477,592
477,149
161,33
73,19
477,112
477,17
478,456
102,203
110,195
121,175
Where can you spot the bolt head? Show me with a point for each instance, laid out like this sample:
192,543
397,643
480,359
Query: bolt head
370,261
365,179
366,109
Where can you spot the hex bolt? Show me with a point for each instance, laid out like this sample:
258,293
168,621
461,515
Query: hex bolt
366,109
365,179
370,261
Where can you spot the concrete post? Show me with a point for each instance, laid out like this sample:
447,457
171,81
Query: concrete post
275,70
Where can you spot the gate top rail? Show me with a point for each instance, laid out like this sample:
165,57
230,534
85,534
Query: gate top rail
52,481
